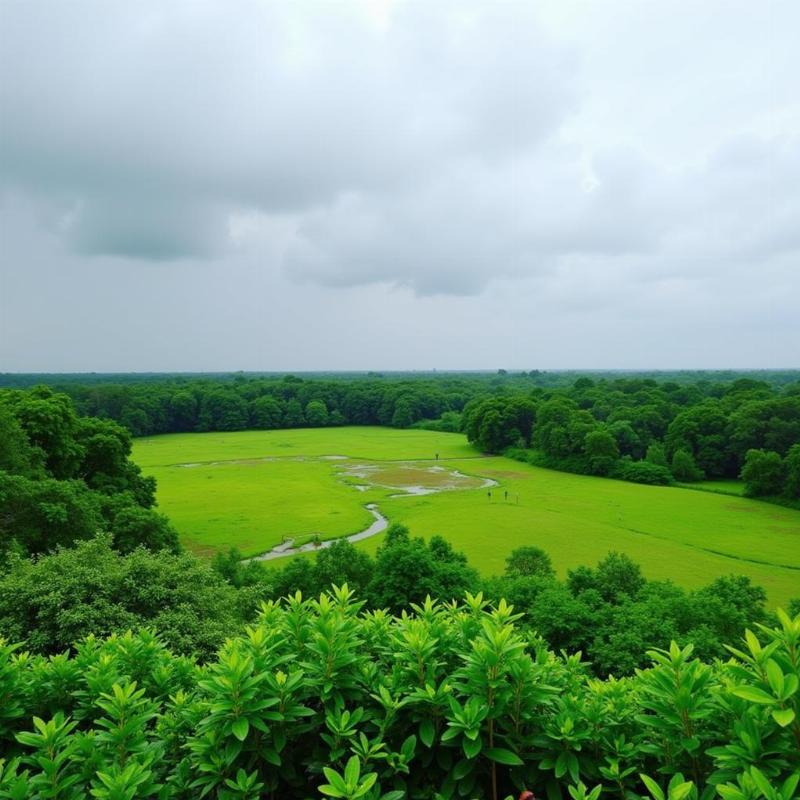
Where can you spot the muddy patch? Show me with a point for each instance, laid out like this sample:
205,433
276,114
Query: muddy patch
413,478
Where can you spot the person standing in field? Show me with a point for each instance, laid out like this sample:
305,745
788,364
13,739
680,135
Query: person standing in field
506,497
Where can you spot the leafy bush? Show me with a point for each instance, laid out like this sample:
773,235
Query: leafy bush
642,472
763,473
684,467
60,598
449,422
444,701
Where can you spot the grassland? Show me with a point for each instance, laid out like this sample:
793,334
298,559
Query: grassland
359,443
251,489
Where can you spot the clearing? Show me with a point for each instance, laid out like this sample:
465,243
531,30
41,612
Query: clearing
256,489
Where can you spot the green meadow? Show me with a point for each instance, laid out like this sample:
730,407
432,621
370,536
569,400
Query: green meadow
253,489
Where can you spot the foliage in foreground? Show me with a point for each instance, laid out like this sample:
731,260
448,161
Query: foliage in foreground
611,613
443,701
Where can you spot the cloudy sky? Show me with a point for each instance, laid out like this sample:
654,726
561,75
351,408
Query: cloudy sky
202,185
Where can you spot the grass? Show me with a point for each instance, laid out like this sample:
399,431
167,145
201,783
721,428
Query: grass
358,443
253,506
220,492
721,487
687,536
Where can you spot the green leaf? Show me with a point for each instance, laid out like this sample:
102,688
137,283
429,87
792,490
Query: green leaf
240,728
471,748
331,791
760,781
337,783
753,694
366,784
503,756
790,784
351,771
461,769
426,732
680,791
775,677
652,787
783,716
408,747
729,792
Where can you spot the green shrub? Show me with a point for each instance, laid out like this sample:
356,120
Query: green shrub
642,472
60,598
444,701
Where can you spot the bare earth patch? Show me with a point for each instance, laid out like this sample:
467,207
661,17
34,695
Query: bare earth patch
414,477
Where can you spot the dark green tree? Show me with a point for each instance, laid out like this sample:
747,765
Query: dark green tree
407,570
529,561
763,473
601,451
656,455
316,414
293,416
16,454
791,487
267,413
684,467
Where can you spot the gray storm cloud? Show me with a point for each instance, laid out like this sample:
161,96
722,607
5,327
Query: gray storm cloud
151,120
595,156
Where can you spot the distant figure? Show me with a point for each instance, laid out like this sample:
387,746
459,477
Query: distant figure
489,494
437,456
506,495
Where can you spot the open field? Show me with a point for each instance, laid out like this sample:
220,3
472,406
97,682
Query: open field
272,484
251,489
361,442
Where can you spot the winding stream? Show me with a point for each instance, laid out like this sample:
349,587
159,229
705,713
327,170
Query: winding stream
288,548
380,523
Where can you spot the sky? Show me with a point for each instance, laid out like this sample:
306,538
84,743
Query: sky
210,186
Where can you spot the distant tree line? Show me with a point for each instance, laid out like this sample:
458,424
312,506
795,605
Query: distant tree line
186,405
650,432
152,404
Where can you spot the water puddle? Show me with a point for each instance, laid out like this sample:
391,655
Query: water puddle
413,478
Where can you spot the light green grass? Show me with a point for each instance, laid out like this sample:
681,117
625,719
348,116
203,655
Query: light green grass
231,498
366,442
687,536
254,506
